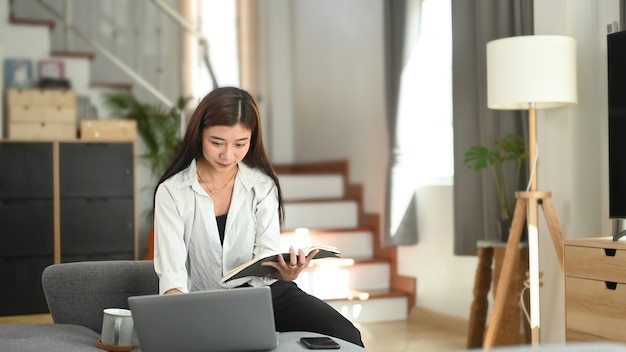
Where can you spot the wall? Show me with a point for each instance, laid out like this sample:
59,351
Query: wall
339,89
573,145
276,79
37,49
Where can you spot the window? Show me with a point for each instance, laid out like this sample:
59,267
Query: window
425,107
218,21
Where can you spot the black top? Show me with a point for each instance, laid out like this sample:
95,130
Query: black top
221,226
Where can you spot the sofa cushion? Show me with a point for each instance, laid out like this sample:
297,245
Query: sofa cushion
48,337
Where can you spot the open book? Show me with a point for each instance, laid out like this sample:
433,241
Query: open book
254,267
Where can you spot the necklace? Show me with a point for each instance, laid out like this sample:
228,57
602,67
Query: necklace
221,188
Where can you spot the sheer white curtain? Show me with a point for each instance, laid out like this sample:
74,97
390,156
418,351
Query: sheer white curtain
425,110
423,150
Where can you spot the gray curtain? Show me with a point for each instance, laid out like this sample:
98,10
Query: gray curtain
396,56
474,23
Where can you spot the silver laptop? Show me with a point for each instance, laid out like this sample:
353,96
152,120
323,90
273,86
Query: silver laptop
239,319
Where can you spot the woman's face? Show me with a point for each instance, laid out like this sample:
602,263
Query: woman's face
224,146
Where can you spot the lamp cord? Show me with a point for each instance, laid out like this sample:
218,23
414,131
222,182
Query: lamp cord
522,303
533,169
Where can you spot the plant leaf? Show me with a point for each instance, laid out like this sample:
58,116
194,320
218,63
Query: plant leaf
478,158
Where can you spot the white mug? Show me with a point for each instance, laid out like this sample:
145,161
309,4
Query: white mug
117,327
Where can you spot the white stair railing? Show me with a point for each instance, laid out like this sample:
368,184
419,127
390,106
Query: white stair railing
108,54
69,26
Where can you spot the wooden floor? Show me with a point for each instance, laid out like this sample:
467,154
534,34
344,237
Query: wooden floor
423,331
27,319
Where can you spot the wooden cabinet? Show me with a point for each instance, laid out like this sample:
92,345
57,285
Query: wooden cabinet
61,201
595,289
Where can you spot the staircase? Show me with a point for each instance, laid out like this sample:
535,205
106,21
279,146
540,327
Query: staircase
322,207
363,285
17,32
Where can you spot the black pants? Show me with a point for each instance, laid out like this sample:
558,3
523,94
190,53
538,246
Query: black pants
295,310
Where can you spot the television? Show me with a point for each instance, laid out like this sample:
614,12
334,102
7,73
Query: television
616,69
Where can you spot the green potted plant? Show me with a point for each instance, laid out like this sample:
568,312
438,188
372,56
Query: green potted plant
495,157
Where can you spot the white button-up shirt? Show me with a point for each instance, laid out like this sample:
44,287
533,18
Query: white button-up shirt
187,250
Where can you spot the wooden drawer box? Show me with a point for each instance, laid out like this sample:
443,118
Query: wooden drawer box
110,130
42,114
25,113
41,97
595,289
42,131
18,97
64,98
28,97
60,114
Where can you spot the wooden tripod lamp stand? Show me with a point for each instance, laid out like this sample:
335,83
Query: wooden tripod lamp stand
529,72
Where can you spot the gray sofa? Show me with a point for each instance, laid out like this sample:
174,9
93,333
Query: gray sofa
78,292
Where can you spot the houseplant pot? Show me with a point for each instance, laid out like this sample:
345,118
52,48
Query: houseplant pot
500,154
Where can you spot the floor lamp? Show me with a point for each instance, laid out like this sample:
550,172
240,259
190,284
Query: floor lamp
529,72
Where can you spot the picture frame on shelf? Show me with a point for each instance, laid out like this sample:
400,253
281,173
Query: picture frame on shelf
18,73
51,69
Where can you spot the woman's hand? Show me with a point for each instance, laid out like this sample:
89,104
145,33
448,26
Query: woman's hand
290,271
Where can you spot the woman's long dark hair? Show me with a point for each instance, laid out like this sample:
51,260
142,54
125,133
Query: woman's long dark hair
225,106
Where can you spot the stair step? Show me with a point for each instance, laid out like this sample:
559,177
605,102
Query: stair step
321,215
38,39
331,278
298,187
32,22
75,54
362,295
353,243
112,85
31,13
367,307
370,276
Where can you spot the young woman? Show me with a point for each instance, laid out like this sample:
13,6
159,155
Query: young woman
219,204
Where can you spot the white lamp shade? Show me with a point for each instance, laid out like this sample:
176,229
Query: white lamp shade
539,69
